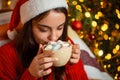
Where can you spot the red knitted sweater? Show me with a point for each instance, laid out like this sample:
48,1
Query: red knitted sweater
11,68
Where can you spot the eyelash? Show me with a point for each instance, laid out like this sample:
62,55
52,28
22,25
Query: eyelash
43,30
60,28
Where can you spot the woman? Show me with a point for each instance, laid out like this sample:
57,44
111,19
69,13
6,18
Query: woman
23,59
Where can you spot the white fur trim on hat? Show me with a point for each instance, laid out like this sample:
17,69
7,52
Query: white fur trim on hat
32,8
11,34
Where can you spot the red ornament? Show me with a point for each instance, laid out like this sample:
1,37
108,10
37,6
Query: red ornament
92,37
76,25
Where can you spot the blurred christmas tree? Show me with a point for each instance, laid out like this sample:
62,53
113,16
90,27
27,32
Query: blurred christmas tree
97,22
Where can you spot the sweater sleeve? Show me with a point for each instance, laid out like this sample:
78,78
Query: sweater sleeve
76,71
27,76
10,66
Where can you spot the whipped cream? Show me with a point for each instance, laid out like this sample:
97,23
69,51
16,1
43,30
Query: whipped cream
56,45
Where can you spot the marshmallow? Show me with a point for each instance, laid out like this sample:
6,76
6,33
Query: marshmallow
56,45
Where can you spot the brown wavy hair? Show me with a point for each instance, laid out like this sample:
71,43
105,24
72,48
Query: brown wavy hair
27,47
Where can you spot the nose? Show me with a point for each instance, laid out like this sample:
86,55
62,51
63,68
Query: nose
52,36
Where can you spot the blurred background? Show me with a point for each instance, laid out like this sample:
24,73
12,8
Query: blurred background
7,4
97,22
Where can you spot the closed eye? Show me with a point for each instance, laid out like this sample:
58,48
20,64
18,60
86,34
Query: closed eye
60,27
43,28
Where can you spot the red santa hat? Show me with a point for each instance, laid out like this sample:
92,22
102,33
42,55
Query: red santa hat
25,10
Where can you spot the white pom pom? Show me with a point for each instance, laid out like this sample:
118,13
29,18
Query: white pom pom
11,34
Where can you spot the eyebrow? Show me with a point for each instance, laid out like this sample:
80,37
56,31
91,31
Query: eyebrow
49,26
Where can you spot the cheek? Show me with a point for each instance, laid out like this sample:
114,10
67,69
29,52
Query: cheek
39,37
59,33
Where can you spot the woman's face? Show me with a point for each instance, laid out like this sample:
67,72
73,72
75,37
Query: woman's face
49,28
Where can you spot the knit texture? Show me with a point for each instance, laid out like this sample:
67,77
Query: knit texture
11,68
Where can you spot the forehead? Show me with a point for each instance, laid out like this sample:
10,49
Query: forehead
53,18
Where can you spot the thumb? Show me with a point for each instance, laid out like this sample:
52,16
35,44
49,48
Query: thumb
40,50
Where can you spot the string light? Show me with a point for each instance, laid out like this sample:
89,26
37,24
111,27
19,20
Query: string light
114,51
104,27
100,14
109,65
100,32
117,11
115,78
9,3
96,50
105,66
106,37
78,7
94,23
101,3
74,2
100,53
118,69
96,45
108,56
81,34
117,26
118,15
117,47
97,16
87,14
81,0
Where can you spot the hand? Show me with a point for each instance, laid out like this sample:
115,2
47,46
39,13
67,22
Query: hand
40,65
75,54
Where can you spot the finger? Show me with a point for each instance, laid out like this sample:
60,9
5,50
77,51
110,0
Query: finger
75,56
40,49
45,66
47,53
46,60
75,51
44,72
76,46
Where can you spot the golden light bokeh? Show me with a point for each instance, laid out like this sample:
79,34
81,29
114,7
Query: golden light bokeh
94,23
100,52
108,56
104,27
87,14
81,0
